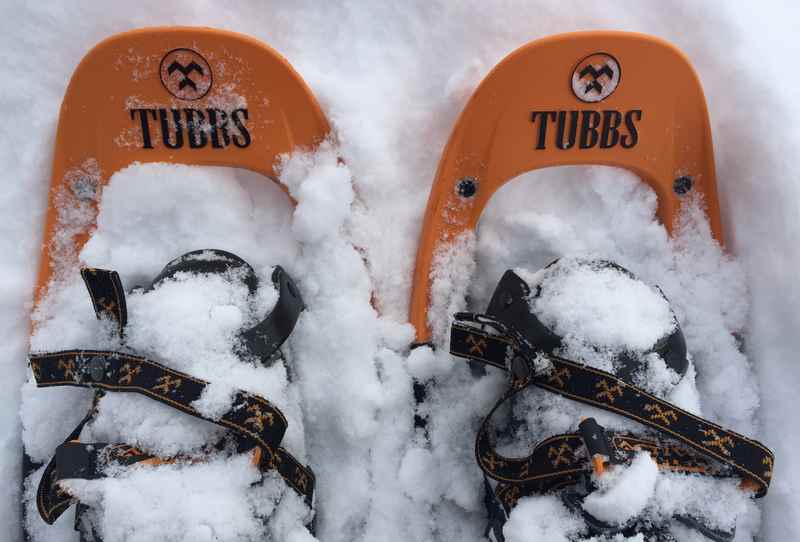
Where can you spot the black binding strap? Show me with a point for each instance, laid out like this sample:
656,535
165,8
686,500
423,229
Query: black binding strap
108,301
511,305
51,499
107,295
78,460
209,262
555,460
265,338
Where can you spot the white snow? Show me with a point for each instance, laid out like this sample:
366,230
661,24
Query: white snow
392,78
624,491
544,518
601,306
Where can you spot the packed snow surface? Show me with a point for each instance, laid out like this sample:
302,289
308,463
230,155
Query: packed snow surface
392,78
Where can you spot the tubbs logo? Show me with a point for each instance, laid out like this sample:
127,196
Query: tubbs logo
186,74
596,77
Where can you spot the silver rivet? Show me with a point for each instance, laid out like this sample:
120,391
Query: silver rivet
95,368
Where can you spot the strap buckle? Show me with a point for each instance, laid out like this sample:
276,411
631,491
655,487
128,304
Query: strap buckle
92,369
601,451
74,461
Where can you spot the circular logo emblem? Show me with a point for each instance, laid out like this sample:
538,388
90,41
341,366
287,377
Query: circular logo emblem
186,74
596,77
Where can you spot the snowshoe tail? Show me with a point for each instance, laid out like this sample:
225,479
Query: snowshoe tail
608,98
183,95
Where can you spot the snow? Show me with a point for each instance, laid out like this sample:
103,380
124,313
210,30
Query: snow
624,491
601,305
392,78
544,518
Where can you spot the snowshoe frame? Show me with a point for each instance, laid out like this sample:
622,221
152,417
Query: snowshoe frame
608,98
197,96
184,95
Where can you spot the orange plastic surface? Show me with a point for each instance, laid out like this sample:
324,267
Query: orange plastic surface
496,137
169,74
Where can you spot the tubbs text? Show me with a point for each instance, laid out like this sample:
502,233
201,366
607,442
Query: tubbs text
586,129
192,128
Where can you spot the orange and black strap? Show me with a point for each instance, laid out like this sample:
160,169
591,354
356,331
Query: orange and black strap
108,301
253,419
699,439
78,460
250,415
107,295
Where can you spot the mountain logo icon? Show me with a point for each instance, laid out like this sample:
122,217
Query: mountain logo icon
186,74
596,77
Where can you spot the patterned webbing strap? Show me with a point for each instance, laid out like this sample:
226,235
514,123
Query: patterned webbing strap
90,461
258,424
252,418
108,301
107,295
555,461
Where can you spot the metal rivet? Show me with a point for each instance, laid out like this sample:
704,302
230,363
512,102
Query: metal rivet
682,185
520,368
95,368
84,188
467,187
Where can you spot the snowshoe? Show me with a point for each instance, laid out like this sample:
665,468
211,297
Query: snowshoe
194,96
618,349
563,101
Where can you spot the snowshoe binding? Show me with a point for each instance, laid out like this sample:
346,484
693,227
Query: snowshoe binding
529,330
253,425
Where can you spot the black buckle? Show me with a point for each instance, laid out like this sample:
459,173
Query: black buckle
74,460
601,450
265,338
